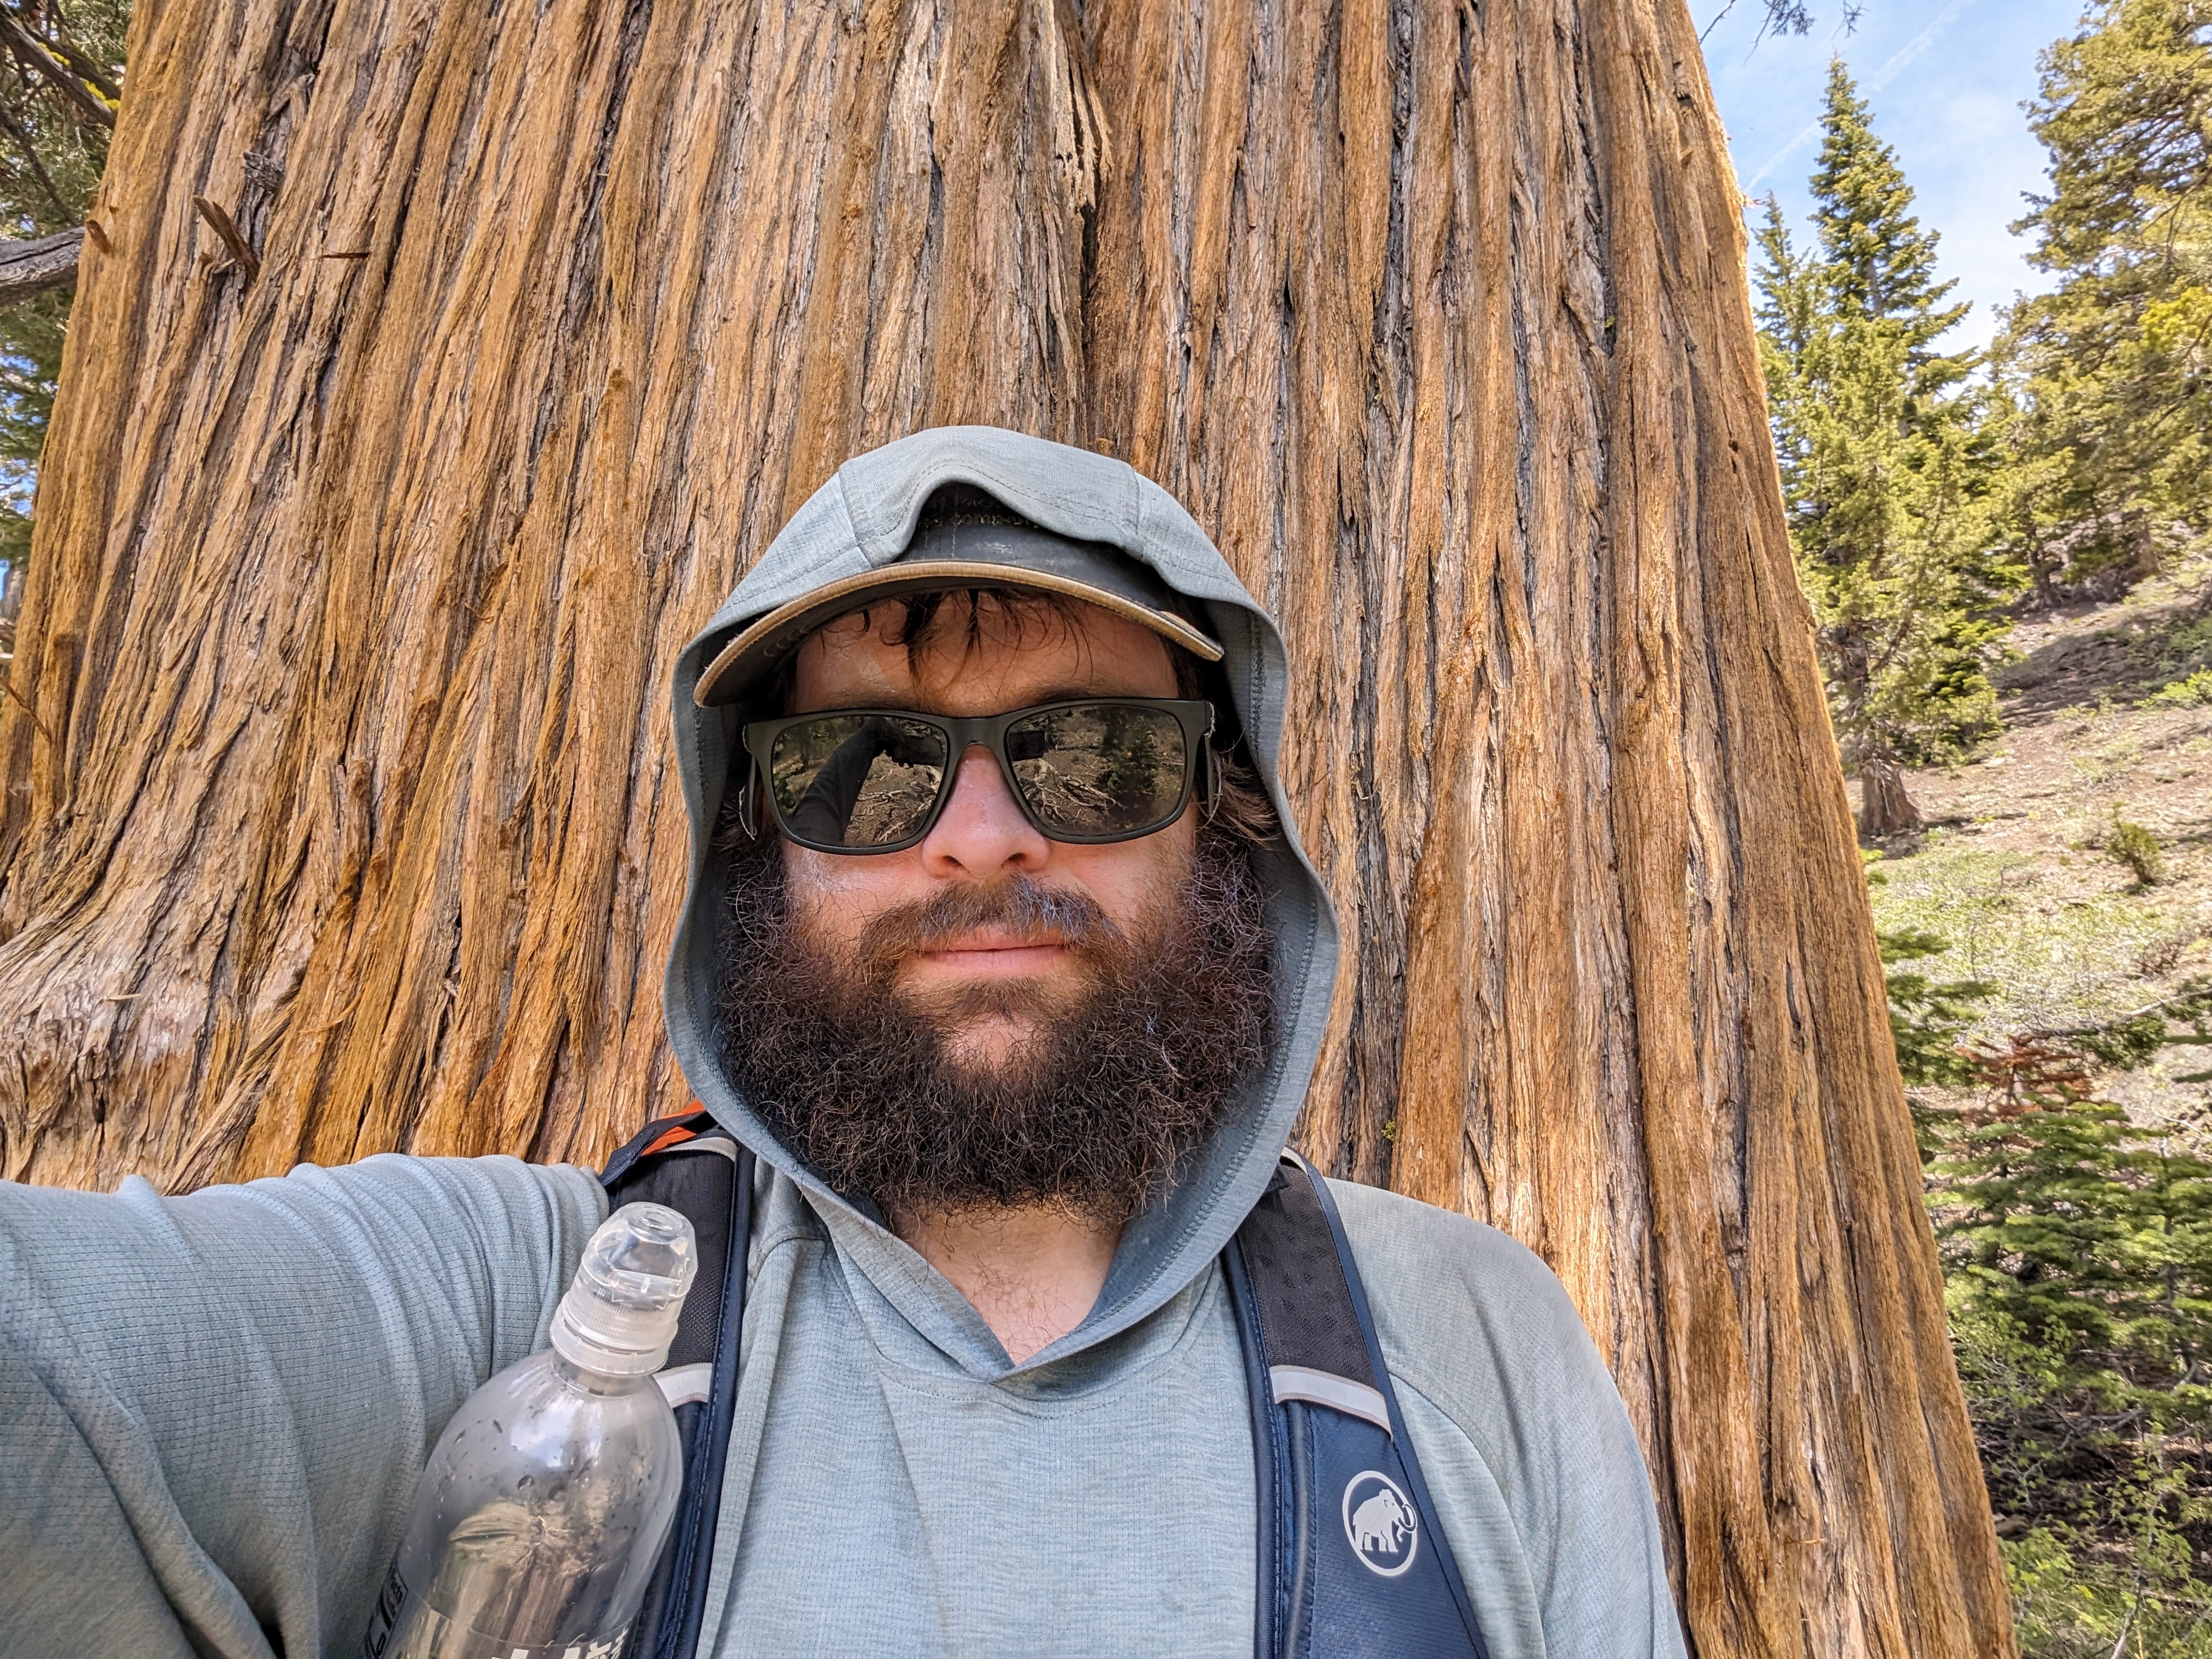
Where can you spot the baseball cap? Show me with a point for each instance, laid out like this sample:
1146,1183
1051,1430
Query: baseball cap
960,554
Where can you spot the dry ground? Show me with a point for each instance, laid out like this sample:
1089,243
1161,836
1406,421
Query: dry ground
2011,868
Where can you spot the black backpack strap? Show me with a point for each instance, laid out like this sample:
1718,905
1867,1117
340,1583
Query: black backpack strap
695,1167
1351,1559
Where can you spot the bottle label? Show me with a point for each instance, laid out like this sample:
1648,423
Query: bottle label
404,1626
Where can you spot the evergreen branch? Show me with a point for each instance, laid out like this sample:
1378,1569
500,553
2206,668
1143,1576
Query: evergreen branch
38,167
85,65
2191,1002
33,53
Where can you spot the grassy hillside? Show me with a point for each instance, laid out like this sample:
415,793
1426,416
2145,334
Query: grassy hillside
2108,719
2069,872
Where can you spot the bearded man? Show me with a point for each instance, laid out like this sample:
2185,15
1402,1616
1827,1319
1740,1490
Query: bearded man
1001,961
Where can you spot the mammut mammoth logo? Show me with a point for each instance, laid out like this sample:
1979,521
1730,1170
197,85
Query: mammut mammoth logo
1380,1523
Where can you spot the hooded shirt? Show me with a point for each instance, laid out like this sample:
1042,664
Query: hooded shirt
213,1408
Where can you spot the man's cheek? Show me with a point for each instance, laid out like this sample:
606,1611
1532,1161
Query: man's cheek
829,911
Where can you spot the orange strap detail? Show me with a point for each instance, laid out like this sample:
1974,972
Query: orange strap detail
686,1128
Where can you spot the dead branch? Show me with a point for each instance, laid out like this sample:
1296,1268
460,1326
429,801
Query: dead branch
219,219
40,57
29,268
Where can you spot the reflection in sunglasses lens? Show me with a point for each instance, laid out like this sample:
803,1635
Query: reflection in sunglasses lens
1098,768
856,780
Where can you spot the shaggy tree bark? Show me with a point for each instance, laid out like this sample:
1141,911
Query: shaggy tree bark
341,815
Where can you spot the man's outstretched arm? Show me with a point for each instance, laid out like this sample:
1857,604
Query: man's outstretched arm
213,1409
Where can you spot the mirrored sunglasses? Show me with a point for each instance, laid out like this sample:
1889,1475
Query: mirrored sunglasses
874,779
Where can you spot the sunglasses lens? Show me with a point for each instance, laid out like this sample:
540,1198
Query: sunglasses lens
856,780
1096,769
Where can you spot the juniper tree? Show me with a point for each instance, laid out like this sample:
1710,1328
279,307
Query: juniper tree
1886,471
345,820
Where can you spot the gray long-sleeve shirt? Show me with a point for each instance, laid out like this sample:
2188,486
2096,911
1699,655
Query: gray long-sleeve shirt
213,1410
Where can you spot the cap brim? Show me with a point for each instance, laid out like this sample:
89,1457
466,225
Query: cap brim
764,642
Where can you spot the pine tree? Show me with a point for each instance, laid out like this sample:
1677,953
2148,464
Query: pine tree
2040,1206
1880,263
1887,472
2077,1256
2111,372
2078,1252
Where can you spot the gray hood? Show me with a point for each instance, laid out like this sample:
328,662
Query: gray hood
863,519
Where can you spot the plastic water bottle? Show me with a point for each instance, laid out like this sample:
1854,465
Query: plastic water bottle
545,1508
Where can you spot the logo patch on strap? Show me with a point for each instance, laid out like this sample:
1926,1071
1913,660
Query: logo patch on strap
1379,1523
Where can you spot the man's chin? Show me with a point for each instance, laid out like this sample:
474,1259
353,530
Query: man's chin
1024,1006
1085,1086
991,1048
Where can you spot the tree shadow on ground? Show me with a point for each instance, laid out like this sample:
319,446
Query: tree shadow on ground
2137,654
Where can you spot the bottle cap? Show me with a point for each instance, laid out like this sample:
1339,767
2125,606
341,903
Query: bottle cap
619,1315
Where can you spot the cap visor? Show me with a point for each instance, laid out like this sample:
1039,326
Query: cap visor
762,643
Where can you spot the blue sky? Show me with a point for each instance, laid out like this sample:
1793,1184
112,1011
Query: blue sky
1946,78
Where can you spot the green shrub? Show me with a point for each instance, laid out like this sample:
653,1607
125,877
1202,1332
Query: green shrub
1927,1018
2191,640
2077,1262
2191,692
2132,845
2078,1258
2075,1600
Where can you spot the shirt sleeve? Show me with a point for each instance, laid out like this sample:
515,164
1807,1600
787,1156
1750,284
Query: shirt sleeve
214,1409
1525,1446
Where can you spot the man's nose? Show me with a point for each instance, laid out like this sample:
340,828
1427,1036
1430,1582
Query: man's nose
982,830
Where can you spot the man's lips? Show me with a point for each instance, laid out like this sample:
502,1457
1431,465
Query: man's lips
991,952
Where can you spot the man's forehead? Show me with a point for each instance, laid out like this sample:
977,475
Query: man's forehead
990,656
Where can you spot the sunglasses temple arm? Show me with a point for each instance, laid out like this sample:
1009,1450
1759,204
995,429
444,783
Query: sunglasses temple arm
749,800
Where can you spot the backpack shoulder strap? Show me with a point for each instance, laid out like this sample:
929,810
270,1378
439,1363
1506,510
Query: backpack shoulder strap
695,1167
1351,1559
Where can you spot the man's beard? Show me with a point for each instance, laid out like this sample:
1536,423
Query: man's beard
1111,1087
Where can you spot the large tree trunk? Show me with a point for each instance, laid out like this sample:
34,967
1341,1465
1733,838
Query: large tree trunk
341,815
